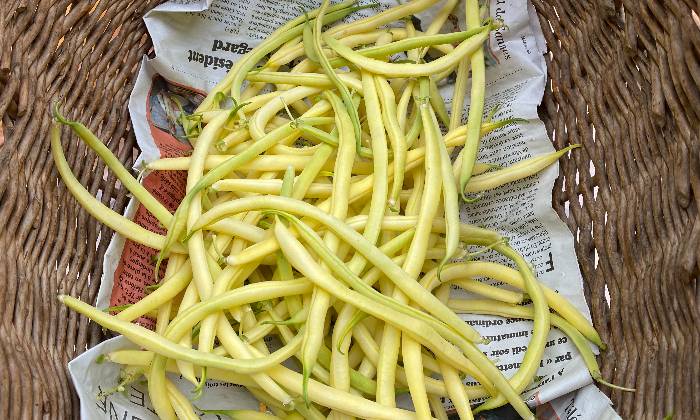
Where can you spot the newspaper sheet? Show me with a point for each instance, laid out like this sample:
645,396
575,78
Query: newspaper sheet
197,41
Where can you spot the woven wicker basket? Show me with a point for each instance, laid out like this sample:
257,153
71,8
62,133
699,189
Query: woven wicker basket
624,82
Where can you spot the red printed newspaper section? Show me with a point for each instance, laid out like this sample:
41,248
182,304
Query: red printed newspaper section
136,267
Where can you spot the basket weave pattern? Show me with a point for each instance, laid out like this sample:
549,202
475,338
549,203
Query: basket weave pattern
624,82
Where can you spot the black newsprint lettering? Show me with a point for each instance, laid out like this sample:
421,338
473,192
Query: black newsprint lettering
152,410
209,60
140,399
506,336
499,12
500,42
549,263
563,357
572,412
101,402
113,415
137,397
241,48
